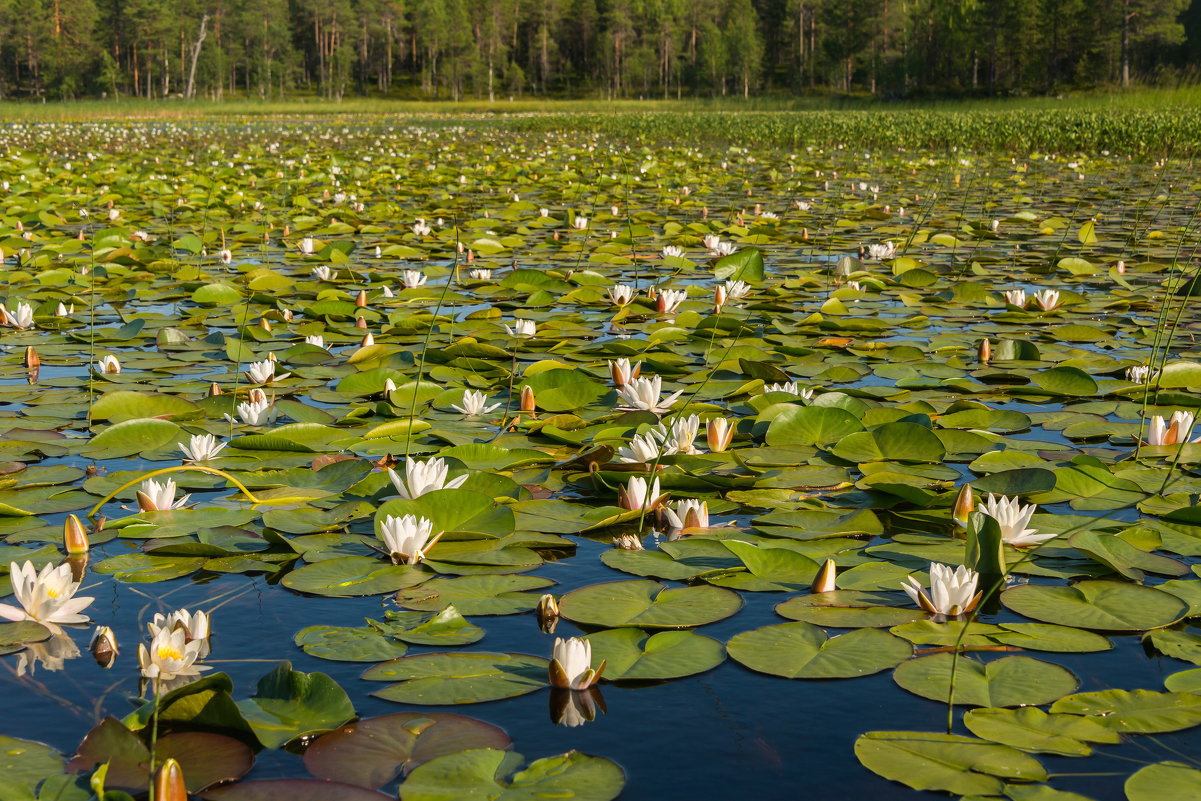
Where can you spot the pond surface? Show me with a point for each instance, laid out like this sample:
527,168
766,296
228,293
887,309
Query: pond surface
865,471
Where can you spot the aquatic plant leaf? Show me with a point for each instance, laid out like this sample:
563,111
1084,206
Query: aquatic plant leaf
489,773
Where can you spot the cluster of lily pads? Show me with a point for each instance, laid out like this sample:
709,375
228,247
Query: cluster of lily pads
422,363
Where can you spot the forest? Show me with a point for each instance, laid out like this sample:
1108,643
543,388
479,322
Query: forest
501,49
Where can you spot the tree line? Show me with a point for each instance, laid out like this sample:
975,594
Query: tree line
495,49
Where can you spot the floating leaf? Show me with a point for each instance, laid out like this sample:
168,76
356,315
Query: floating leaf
1103,605
633,654
1009,681
290,704
648,604
1136,711
1031,729
459,678
946,762
489,773
802,651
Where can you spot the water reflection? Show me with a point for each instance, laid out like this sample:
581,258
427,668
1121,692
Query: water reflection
574,708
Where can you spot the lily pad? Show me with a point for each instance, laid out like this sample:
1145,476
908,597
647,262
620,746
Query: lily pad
633,654
492,774
648,604
459,678
802,651
1009,681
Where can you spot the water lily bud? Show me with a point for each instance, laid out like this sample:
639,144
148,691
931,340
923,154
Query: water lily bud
104,647
1121,268
360,322
74,537
719,297
361,300
368,340
964,504
265,324
719,432
548,613
214,389
257,395
168,784
389,386
32,360
825,578
528,403
984,352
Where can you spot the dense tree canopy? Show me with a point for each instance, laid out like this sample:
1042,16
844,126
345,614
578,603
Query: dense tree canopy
610,48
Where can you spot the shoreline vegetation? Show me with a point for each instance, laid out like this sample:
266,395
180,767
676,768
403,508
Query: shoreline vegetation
1144,123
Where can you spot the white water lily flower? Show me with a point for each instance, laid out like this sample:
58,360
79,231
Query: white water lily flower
323,273
790,387
47,597
1175,431
681,436
636,494
579,223
201,448
621,294
643,448
881,252
65,311
315,339
108,364
421,228
423,477
386,291
621,372
1046,299
723,249
225,255
803,205
156,497
481,274
855,285
673,251
669,300
408,538
628,542
952,592
1016,297
522,328
51,653
254,413
736,289
411,279
171,659
1139,374
474,403
1013,518
22,319
263,372
642,394
687,513
719,433
307,246
571,664
195,626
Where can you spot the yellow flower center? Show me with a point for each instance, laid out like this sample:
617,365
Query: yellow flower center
52,593
169,652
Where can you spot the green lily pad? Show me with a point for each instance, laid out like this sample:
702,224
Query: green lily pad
648,604
354,575
492,774
802,651
290,704
1135,711
1031,729
1009,681
945,762
346,644
634,654
1164,780
459,678
443,628
1102,605
475,595
850,609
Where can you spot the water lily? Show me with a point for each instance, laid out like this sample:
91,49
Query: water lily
1139,374
201,447
481,274
621,294
642,448
423,477
1016,297
669,300
255,413
408,538
225,255
637,494
103,647
881,252
474,403
64,310
21,319
579,223
156,497
308,246
1013,518
681,436
197,627
1175,431
642,394
628,542
422,228
571,664
171,659
1046,299
47,597
686,513
790,387
263,372
169,783
825,581
522,328
323,273
548,613
315,339
952,591
719,433
108,365
622,372
411,279
673,252
736,290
